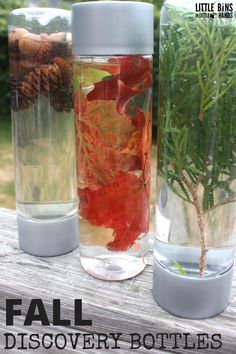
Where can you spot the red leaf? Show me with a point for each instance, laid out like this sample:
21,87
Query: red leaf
127,66
132,68
134,77
104,90
122,206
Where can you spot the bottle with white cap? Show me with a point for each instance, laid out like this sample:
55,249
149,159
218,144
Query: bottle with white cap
43,130
112,45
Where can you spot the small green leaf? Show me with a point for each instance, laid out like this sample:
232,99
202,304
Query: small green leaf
87,76
181,270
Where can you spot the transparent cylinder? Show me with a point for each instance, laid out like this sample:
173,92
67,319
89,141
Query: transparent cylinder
42,113
113,119
196,184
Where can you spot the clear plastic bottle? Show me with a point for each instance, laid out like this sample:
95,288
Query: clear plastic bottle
113,91
196,194
43,129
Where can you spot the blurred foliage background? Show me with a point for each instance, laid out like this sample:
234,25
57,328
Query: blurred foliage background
7,193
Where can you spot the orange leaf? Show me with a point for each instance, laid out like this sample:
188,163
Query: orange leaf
101,133
139,143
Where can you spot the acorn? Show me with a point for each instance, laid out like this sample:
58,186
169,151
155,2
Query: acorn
30,44
68,37
14,36
17,34
58,37
44,37
69,41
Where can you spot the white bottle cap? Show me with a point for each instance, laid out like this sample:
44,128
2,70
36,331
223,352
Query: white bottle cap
112,28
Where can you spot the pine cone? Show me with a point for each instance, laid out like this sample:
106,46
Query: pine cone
14,58
44,53
20,65
51,78
62,100
59,49
18,99
65,69
31,86
47,79
14,67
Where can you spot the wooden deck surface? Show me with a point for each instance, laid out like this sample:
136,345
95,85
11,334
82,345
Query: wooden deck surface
125,307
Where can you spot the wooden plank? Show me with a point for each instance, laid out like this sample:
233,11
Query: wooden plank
126,306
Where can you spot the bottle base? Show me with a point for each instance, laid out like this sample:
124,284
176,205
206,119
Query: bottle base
113,267
191,297
48,238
